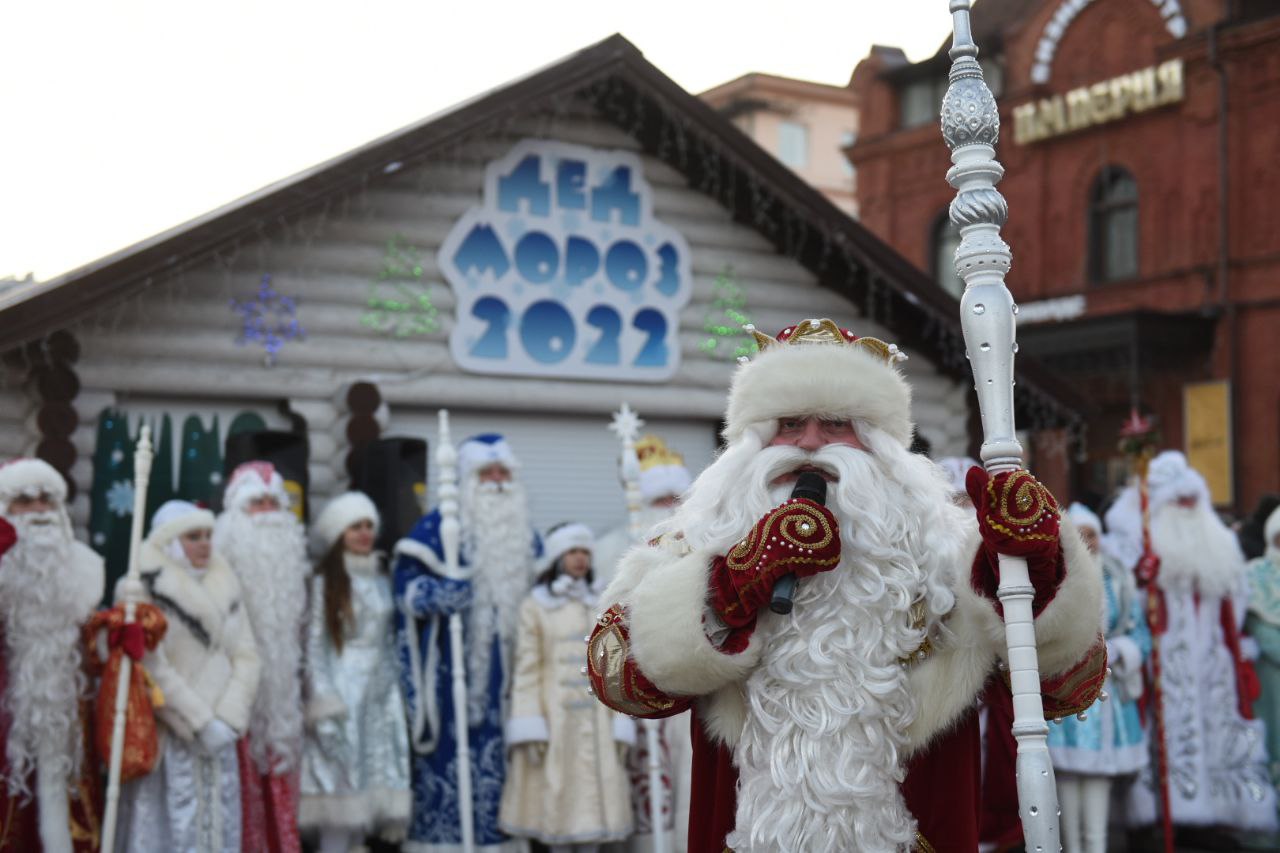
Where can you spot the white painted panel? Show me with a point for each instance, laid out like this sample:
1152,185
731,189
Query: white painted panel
568,465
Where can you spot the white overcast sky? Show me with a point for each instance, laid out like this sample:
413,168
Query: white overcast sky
122,118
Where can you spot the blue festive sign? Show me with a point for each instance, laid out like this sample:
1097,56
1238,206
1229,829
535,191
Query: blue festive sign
564,271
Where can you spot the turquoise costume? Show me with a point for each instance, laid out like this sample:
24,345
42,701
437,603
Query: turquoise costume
1110,740
1263,624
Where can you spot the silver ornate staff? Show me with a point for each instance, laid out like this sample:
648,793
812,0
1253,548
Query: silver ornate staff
626,425
971,127
450,539
131,592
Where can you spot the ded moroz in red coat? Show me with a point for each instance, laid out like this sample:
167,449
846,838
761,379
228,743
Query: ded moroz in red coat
653,636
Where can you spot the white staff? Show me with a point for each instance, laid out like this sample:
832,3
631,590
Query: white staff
450,536
626,425
971,127
131,592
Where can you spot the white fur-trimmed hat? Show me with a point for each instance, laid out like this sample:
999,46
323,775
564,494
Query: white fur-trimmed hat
563,540
29,476
1082,516
339,514
662,471
1272,528
816,368
1171,477
252,480
481,451
175,518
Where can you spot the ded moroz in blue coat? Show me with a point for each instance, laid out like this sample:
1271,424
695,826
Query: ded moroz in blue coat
425,597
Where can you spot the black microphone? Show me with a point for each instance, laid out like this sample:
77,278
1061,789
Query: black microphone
811,485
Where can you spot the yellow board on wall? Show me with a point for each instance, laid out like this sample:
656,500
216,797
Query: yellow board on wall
1206,411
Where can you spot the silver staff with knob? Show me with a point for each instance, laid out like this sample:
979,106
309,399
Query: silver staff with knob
450,540
971,127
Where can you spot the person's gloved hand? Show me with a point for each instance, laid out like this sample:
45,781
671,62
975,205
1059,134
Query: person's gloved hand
798,537
1018,517
216,734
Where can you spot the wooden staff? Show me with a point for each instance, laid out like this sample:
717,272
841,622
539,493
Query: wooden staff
626,425
971,127
450,538
131,592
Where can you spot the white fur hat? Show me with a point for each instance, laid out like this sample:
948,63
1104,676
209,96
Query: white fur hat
1082,516
175,518
481,451
1272,528
339,514
1170,477
30,477
957,469
563,540
817,368
252,480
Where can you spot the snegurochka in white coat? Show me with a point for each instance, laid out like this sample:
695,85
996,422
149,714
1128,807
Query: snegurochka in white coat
567,782
355,759
207,667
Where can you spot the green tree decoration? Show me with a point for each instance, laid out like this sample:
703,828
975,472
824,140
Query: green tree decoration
725,319
399,300
200,469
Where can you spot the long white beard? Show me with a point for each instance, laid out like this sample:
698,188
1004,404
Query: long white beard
42,651
1197,551
821,756
498,545
268,553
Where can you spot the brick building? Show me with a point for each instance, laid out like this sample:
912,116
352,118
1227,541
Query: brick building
1140,146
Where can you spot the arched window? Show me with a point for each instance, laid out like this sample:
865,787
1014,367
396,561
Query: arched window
944,240
1113,225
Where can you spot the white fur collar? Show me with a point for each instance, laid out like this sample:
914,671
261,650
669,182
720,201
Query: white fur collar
365,565
208,594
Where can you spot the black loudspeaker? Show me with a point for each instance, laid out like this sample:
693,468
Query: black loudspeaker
287,451
393,472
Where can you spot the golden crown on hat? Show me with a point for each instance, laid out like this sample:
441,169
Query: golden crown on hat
653,452
825,331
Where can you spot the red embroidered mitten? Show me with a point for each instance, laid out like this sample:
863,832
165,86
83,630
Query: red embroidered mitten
1018,517
799,537
7,536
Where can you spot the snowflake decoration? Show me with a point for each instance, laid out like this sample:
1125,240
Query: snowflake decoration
120,498
268,318
626,423
117,456
216,478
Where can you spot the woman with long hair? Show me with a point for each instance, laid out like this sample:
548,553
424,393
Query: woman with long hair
355,763
567,781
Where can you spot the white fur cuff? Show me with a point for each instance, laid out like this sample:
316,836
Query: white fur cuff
324,707
665,617
1069,624
526,730
624,729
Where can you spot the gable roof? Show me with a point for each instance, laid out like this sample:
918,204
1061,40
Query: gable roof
670,123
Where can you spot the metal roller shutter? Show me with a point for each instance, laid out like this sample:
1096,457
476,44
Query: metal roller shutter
568,465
